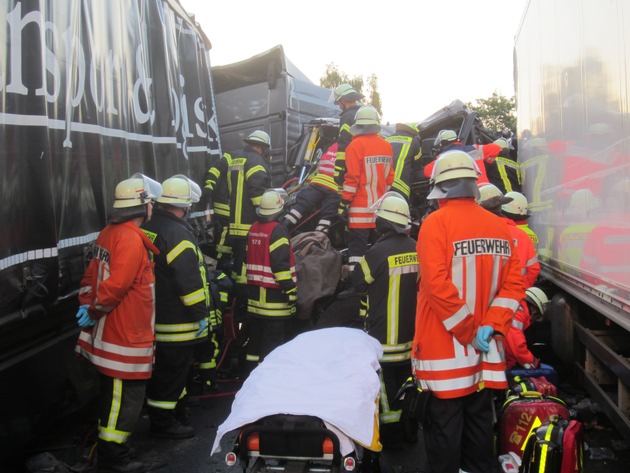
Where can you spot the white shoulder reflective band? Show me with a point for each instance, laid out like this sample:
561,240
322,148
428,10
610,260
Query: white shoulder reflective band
517,324
506,303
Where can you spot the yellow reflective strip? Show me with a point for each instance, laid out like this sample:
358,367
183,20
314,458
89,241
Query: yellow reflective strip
114,412
172,328
275,245
254,170
176,337
194,297
283,275
112,435
545,448
366,270
175,252
167,405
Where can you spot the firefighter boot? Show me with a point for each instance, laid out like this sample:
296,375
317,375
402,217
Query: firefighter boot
164,424
114,457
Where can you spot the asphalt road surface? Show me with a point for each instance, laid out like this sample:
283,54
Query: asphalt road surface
68,447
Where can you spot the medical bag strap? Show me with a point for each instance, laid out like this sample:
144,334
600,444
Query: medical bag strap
527,462
573,448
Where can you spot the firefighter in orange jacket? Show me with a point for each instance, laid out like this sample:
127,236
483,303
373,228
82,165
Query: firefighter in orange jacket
271,279
349,101
446,140
470,287
369,174
117,315
492,199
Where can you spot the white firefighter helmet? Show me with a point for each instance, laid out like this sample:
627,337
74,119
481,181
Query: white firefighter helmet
491,198
454,175
488,191
502,142
258,137
518,206
393,207
537,297
179,191
445,137
346,92
271,204
137,190
366,121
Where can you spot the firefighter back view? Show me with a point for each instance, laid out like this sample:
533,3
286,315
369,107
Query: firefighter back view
388,276
407,149
271,279
369,174
182,304
116,316
470,287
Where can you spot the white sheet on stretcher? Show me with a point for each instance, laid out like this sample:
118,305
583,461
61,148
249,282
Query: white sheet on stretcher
328,373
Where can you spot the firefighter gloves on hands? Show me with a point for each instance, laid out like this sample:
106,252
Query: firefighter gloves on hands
83,317
203,325
481,339
292,294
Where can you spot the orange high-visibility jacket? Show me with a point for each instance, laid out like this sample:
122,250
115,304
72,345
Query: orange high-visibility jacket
516,350
530,267
369,173
470,277
118,285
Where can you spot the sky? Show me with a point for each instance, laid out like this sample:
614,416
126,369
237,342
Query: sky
424,53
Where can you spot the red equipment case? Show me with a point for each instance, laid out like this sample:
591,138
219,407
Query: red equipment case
523,413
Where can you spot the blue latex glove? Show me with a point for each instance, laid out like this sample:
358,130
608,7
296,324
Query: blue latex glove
83,317
292,294
203,325
481,339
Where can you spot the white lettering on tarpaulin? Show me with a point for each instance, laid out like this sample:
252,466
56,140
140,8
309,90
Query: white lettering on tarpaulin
74,78
482,246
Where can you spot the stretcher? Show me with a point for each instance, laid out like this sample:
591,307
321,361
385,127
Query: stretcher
310,406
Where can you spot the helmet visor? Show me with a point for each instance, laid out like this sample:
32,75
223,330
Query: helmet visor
152,189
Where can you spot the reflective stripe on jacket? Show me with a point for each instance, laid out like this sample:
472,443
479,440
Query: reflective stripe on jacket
346,120
369,174
118,287
388,273
248,178
530,267
325,175
516,350
271,270
406,150
182,292
217,186
469,277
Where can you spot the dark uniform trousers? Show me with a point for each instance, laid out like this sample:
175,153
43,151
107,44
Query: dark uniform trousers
168,382
119,405
458,433
393,431
313,198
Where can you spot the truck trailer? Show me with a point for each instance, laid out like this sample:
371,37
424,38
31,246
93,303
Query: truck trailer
90,93
573,101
